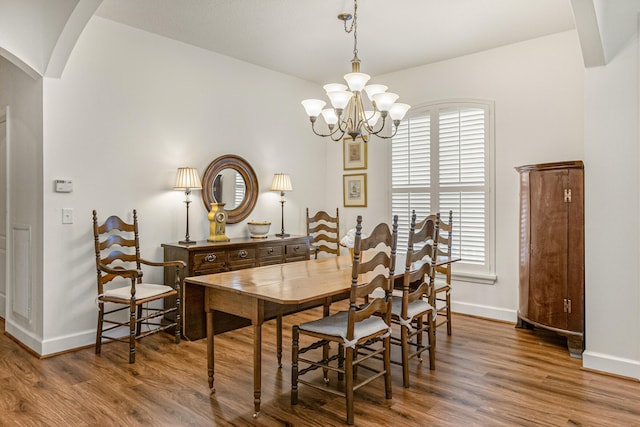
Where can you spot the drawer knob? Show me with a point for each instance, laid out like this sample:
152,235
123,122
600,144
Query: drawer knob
243,254
210,258
296,248
270,251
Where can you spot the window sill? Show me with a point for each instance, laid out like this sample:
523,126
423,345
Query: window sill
479,278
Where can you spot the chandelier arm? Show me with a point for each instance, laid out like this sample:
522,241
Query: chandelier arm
395,130
330,134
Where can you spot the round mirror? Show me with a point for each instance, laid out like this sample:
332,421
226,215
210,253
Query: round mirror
230,180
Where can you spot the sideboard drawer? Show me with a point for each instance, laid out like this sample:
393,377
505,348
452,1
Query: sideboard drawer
213,260
271,251
295,251
244,254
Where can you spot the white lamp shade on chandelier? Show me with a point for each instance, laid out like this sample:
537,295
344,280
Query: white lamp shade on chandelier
347,114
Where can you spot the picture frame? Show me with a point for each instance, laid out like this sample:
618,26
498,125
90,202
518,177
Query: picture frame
354,190
354,153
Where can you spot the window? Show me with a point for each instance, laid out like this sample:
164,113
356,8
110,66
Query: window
441,160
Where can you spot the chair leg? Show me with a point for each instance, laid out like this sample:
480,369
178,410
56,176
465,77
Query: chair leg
419,338
448,299
279,339
404,339
432,340
387,367
178,319
294,365
99,329
348,386
132,334
340,362
139,324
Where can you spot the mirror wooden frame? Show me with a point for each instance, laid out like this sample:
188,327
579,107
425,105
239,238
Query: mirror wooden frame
241,166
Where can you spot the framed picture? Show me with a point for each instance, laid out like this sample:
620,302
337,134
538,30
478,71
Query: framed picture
355,153
355,190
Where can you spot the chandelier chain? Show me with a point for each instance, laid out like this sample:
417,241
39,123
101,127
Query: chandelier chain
355,29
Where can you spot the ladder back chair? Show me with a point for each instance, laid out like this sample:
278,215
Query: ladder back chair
364,323
324,232
442,284
414,311
120,286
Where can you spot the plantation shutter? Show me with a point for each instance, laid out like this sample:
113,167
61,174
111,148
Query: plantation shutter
439,163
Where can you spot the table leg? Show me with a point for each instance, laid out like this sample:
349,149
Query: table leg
210,364
257,366
279,339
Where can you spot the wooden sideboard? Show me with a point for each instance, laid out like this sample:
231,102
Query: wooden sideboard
215,257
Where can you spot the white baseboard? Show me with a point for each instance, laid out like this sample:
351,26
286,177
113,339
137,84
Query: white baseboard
24,336
68,342
48,347
503,314
3,306
611,364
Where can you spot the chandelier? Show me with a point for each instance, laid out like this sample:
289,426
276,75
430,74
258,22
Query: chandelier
348,114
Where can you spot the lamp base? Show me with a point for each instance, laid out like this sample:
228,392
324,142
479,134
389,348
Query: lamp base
187,242
283,235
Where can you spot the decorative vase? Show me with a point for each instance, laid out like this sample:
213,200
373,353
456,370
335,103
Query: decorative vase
217,223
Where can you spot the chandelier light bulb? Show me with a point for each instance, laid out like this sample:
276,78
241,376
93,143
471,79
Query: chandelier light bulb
313,107
385,100
356,81
374,89
398,110
340,98
334,87
330,116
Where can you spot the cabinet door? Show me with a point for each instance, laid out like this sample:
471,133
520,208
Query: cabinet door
575,260
549,247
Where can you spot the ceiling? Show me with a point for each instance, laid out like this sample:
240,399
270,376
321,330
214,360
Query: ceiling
304,38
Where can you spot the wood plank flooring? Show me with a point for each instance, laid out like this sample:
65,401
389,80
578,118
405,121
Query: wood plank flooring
487,374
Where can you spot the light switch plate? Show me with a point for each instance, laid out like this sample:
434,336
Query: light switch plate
67,215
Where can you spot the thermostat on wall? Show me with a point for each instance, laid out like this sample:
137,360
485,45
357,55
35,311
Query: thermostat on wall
64,186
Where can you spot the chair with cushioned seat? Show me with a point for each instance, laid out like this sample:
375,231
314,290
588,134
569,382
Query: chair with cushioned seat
412,309
442,284
363,323
120,286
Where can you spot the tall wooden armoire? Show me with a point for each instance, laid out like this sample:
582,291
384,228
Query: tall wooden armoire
552,250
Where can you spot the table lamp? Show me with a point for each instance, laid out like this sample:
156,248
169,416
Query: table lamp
187,180
281,182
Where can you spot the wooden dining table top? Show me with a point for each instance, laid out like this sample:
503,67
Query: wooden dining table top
295,282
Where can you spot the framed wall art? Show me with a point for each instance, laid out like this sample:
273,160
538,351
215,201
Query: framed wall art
355,190
355,153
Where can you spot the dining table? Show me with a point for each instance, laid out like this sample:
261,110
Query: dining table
270,292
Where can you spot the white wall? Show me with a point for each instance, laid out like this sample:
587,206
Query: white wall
129,109
612,215
537,87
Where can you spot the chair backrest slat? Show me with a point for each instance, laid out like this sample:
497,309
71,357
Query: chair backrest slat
376,272
324,231
117,246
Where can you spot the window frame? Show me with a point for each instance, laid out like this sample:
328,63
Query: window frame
486,273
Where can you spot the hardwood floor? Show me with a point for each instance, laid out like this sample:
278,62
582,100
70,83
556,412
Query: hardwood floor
487,374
